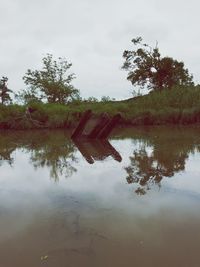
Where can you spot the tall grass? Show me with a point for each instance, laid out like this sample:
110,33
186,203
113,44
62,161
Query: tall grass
180,105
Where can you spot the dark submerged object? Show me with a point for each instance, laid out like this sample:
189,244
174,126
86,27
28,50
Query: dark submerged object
101,123
79,129
94,145
101,130
105,132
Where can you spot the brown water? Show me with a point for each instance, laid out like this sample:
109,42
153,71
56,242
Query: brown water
132,201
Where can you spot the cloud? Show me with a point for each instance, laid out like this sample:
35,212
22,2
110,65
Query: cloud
93,35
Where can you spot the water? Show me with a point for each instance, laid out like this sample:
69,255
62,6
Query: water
132,201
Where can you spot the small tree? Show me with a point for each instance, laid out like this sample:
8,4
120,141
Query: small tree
28,96
4,91
147,68
52,82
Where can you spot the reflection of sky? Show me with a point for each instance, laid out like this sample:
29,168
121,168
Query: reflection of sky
96,206
104,182
189,180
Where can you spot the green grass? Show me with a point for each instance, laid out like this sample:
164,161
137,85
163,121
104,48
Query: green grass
175,106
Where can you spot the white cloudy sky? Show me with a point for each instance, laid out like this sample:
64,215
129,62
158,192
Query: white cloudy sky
92,34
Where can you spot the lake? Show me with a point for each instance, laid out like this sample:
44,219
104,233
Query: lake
133,200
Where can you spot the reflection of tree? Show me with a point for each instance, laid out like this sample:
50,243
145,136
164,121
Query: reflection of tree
6,150
52,149
5,155
57,156
150,169
162,154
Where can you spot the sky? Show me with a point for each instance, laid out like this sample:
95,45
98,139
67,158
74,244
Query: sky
92,35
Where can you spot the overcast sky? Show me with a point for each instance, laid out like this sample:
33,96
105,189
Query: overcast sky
93,34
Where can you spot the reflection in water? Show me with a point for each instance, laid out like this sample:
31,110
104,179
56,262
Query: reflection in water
6,149
56,153
54,150
162,152
94,219
51,149
167,156
146,169
93,150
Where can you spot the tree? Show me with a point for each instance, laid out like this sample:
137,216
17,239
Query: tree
29,95
147,68
52,83
4,91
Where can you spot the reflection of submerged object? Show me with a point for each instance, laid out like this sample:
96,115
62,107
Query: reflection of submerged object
96,150
101,130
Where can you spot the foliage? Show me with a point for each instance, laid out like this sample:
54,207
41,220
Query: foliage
4,91
148,68
181,105
107,99
92,99
28,96
52,83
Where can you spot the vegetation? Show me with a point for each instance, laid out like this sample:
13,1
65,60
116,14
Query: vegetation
147,68
51,84
51,101
178,106
4,91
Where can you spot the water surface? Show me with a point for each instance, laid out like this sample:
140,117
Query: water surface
131,201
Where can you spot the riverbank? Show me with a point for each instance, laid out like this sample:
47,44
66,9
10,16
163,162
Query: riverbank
176,106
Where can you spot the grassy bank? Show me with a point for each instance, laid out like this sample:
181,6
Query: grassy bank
176,106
